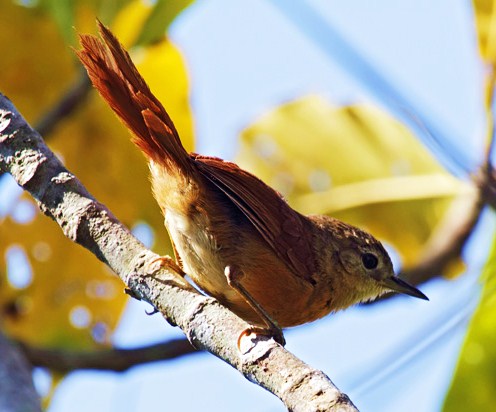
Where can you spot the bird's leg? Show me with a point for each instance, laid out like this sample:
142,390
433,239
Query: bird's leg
234,277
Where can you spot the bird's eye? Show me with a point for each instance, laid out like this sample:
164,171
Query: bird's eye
370,261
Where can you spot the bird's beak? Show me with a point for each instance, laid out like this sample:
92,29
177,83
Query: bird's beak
398,285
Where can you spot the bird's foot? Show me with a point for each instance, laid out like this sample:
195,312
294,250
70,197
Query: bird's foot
234,278
163,262
274,333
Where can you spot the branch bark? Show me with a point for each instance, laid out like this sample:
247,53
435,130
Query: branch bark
206,323
17,392
117,360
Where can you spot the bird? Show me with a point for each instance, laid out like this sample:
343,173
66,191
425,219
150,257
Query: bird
236,237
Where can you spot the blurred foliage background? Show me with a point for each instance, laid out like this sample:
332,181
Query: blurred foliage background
356,162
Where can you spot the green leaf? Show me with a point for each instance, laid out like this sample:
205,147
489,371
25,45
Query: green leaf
163,14
355,163
474,385
108,9
62,11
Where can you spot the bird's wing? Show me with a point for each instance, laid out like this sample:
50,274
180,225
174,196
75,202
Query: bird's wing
282,227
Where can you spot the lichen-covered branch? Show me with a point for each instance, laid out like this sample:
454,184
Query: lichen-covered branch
206,323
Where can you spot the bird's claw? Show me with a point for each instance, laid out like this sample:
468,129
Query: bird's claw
152,312
131,293
274,333
163,262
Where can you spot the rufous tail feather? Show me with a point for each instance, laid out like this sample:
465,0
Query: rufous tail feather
115,76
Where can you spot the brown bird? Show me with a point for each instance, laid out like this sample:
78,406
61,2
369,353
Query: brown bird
236,237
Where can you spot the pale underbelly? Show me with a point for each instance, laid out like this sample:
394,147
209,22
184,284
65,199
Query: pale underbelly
200,254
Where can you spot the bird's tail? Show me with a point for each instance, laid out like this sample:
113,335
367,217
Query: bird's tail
115,76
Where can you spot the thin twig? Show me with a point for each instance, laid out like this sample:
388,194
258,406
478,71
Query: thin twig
67,104
115,359
460,225
446,244
17,392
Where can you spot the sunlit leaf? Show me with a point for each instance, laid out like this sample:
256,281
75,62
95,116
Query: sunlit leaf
67,13
33,75
162,66
62,12
61,295
355,163
485,19
143,23
72,300
474,384
164,12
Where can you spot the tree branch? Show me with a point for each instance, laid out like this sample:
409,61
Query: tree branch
458,224
17,393
206,323
114,359
447,242
69,102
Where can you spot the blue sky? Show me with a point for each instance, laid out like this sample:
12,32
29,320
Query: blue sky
246,57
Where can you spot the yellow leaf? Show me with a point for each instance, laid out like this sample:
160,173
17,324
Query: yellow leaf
72,299
355,163
163,68
32,74
144,22
485,19
128,24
